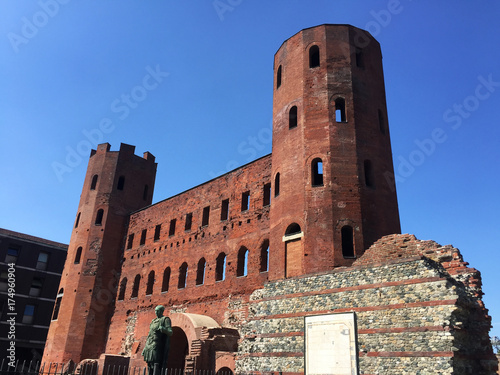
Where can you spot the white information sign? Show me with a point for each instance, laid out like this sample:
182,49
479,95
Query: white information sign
330,344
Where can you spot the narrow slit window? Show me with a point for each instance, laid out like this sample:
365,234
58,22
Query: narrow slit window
368,174
93,184
183,270
264,257
224,210
135,288
121,183
98,217
292,117
166,280
359,58
317,172
314,57
277,185
189,221
206,216
278,77
200,273
130,241
242,266
245,201
347,242
78,255
143,237
340,110
381,121
157,232
123,287
220,267
267,194
57,305
145,194
151,283
77,220
171,230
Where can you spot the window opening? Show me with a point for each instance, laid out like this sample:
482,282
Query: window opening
78,255
166,280
347,242
317,172
98,217
224,211
157,232
278,77
292,229
29,314
368,174
183,270
12,255
277,185
57,305
242,266
200,274
121,183
130,241
151,282
77,219
171,230
94,182
267,195
245,201
313,57
123,287
340,110
36,287
381,121
135,287
359,58
220,267
189,221
143,237
145,193
43,260
206,216
292,117
264,257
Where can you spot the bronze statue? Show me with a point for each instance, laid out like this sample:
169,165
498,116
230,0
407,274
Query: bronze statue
155,352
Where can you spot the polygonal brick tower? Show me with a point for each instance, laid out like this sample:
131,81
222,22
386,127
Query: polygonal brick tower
331,151
116,184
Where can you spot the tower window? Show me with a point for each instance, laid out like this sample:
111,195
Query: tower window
151,282
135,287
313,57
347,242
183,270
121,183
145,193
292,229
166,280
245,201
267,195
368,173
143,237
292,117
242,267
224,210
189,221
57,305
278,77
340,110
206,216
317,172
78,255
171,230
123,287
200,273
130,241
157,232
359,58
381,121
220,267
94,182
277,185
98,217
77,219
264,257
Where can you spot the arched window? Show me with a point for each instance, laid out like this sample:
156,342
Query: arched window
381,121
242,267
292,229
135,287
57,306
166,280
123,287
368,173
313,57
220,267
317,172
121,183
78,255
77,219
98,217
267,195
145,193
264,257
278,77
151,282
292,117
340,110
200,272
183,270
277,185
347,242
94,182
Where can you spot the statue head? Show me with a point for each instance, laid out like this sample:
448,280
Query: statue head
159,310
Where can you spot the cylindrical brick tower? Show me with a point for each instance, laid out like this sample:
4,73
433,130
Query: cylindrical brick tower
116,184
331,157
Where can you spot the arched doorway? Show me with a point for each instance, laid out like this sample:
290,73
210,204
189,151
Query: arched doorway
179,349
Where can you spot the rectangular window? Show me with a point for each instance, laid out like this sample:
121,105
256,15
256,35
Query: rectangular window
12,254
157,232
224,210
29,314
189,221
36,287
171,230
245,201
206,216
43,260
143,237
130,241
3,281
267,194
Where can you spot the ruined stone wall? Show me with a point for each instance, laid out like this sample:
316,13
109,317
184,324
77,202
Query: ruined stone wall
412,315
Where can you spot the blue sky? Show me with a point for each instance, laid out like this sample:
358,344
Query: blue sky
70,70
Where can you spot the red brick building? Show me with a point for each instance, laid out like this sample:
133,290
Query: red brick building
211,254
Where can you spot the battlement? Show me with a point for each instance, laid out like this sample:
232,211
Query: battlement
125,149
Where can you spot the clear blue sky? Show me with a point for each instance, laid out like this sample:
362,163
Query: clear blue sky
66,68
